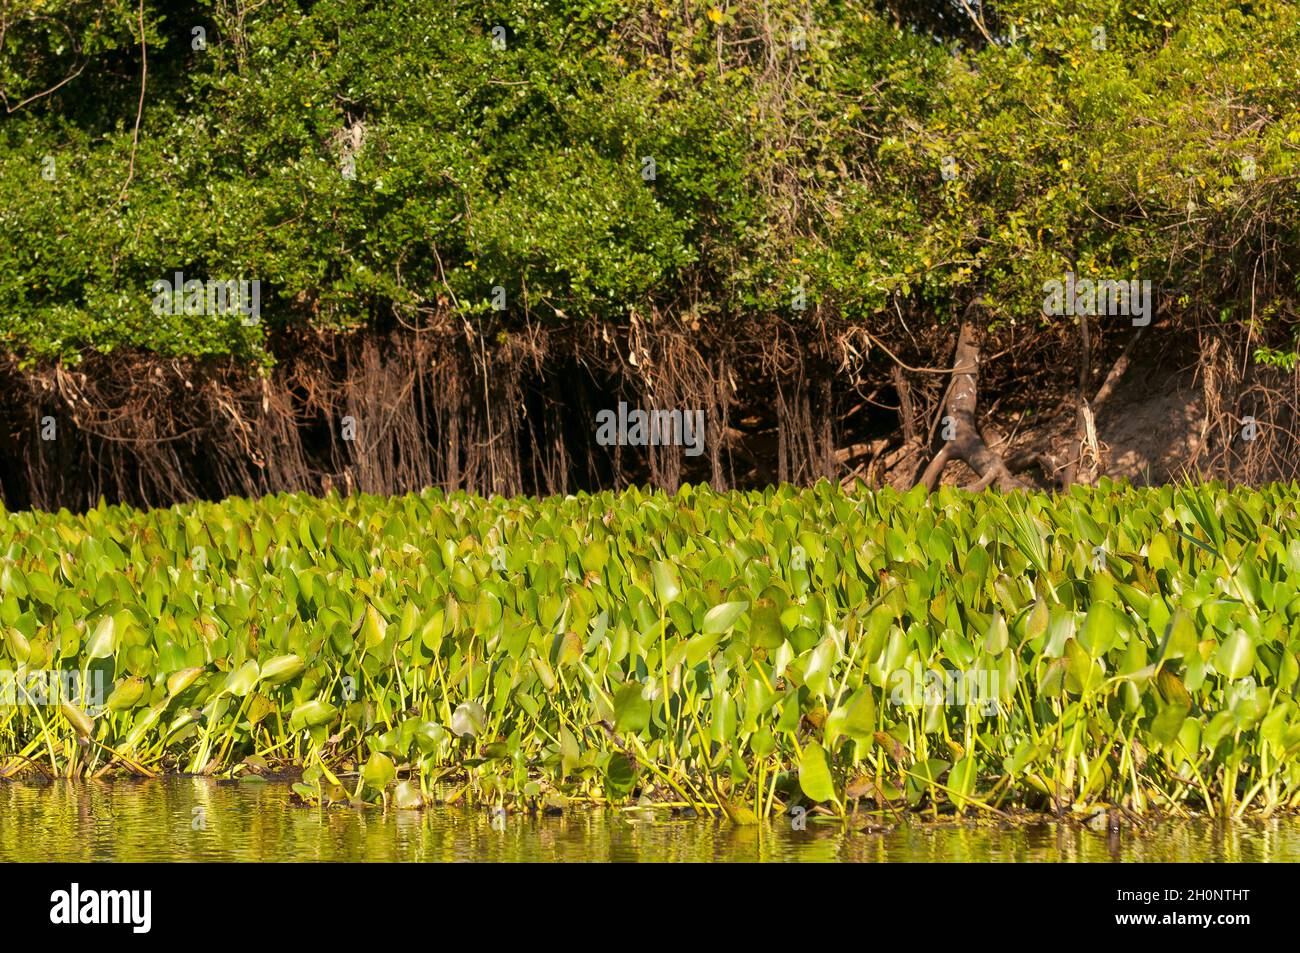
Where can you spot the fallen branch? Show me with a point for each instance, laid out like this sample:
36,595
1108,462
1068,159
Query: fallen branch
1024,459
1117,371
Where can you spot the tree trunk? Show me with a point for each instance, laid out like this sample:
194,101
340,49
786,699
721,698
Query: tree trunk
967,443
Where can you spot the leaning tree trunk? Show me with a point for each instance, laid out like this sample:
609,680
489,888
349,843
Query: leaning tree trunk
967,443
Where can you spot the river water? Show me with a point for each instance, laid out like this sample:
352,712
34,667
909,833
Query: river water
193,819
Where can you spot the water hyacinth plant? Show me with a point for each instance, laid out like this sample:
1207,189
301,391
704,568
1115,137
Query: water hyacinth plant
740,653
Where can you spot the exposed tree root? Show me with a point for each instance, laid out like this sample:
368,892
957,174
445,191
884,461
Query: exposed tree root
491,409
449,405
967,443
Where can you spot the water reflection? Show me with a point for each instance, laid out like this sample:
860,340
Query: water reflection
193,819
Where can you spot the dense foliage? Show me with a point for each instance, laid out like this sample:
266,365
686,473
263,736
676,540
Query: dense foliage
897,165
736,651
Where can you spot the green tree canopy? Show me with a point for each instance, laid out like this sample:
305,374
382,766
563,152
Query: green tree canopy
613,158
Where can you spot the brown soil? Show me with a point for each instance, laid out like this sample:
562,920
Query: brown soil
1151,431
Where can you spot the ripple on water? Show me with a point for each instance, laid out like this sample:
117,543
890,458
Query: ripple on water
196,819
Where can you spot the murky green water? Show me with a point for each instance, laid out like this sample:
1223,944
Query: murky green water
188,819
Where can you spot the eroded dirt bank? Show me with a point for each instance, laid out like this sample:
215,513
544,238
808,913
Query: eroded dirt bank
392,410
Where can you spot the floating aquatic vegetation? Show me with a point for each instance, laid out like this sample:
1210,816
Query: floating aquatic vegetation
740,653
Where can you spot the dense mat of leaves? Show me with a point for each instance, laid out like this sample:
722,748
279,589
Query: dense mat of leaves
738,652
